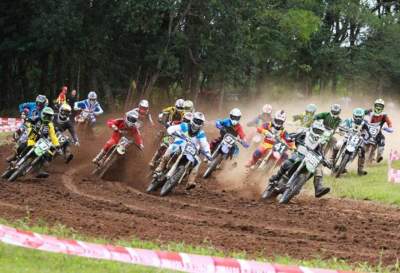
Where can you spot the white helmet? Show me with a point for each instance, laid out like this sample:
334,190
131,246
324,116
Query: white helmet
279,119
197,121
187,117
311,108
143,106
180,104
317,129
267,109
188,105
131,118
64,112
379,105
235,116
336,109
92,97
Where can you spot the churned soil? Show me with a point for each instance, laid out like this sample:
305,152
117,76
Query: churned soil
118,208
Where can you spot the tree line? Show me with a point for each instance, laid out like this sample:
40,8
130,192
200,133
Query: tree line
159,49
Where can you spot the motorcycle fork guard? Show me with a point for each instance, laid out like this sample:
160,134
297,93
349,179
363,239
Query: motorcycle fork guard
174,166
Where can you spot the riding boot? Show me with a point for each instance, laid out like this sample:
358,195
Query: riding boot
360,169
163,163
318,188
282,170
379,157
12,157
99,156
68,155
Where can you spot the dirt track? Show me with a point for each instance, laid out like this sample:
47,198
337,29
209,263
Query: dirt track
355,231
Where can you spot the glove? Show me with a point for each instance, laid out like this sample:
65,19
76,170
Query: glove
245,144
59,150
77,144
208,156
389,130
141,147
114,127
219,126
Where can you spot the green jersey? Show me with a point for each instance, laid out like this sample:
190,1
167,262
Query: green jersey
330,122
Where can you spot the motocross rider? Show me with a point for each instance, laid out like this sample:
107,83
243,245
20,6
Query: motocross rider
144,112
197,135
331,121
307,118
274,128
62,122
90,105
43,127
172,115
119,126
20,135
187,118
264,117
377,115
232,126
309,135
34,108
356,123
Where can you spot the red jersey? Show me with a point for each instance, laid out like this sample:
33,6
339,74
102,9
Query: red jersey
133,131
382,119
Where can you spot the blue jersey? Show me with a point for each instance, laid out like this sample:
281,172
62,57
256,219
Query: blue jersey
85,105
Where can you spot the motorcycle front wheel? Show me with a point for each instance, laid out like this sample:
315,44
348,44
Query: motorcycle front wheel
343,164
294,189
172,181
18,172
213,166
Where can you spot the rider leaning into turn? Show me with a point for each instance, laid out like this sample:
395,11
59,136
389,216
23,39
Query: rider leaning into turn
331,121
172,115
264,117
90,105
270,130
62,123
377,116
307,118
34,108
232,126
358,124
304,138
194,131
127,124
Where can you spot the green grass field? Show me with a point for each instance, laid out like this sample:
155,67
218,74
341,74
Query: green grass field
374,186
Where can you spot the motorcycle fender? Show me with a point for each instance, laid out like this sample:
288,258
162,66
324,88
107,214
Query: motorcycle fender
276,155
350,149
225,149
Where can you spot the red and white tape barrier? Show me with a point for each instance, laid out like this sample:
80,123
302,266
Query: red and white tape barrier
9,124
393,174
166,260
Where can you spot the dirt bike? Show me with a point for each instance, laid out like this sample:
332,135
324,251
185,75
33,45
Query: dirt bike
83,121
371,143
36,155
348,152
65,143
179,166
302,170
114,153
224,150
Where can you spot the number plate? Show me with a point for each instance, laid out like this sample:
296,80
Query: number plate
228,139
373,130
312,159
190,149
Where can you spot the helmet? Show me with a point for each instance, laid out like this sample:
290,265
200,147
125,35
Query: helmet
317,129
188,105
358,115
235,115
311,109
187,117
64,112
24,114
41,101
92,97
197,121
335,110
131,117
267,109
143,107
180,104
379,105
279,119
47,114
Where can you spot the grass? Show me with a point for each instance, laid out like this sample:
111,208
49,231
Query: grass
4,138
16,259
374,186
